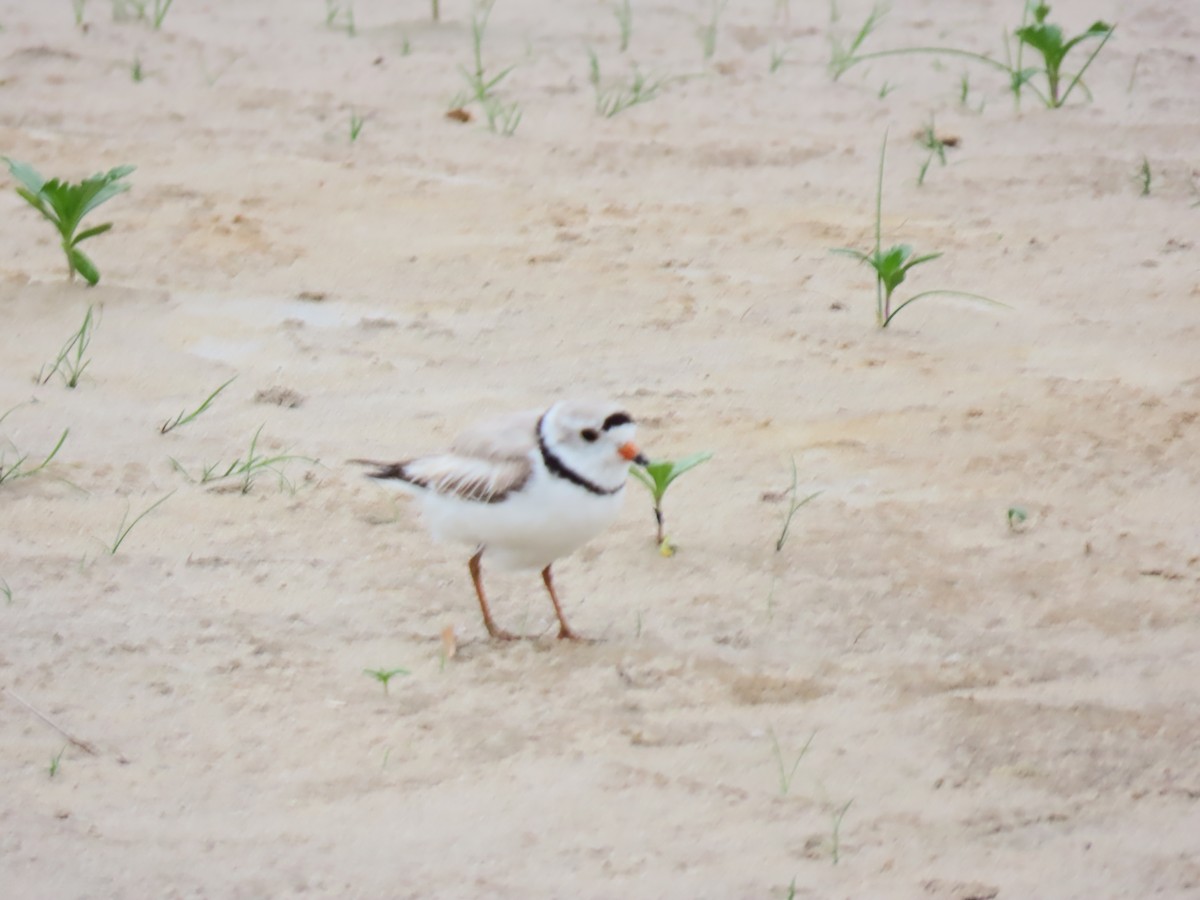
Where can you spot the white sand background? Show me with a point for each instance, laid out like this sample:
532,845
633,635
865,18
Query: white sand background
987,712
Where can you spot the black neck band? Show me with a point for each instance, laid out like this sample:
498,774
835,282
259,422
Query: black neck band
559,469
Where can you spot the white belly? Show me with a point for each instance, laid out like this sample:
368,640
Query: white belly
548,519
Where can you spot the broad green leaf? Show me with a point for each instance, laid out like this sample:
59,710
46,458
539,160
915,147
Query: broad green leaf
1097,29
1047,40
688,462
25,173
658,475
917,260
640,474
39,204
83,265
109,186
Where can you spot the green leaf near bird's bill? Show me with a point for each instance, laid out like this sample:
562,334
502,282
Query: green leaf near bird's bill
659,474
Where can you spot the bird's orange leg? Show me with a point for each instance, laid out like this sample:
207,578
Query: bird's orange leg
564,630
498,633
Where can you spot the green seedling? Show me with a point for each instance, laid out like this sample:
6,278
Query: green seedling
1038,35
791,891
70,362
836,838
1017,516
964,94
436,10
1144,177
1047,40
136,72
77,10
6,591
340,17
843,56
707,30
778,58
616,98
356,124
929,139
126,526
185,417
794,504
786,774
56,761
405,45
502,118
893,264
624,13
248,469
64,205
141,10
383,676
657,477
16,469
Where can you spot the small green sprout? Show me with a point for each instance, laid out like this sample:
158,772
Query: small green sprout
1144,177
502,118
123,529
383,676
617,98
339,17
64,205
1017,517
787,774
185,417
161,8
657,477
56,760
778,58
70,362
706,32
248,469
6,590
356,124
843,56
624,13
836,838
1036,34
793,505
893,264
1047,40
930,140
13,471
136,72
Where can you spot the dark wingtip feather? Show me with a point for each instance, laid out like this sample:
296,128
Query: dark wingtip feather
384,471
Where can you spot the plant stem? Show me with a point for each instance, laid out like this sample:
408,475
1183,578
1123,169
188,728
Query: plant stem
880,307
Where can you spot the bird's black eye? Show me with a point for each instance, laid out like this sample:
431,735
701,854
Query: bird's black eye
591,435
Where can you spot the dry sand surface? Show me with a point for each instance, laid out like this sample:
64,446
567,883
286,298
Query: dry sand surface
988,712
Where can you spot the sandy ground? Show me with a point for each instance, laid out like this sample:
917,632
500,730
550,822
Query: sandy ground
987,712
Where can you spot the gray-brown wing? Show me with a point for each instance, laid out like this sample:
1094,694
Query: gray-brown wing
469,477
484,465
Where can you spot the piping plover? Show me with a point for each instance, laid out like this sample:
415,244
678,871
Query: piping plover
525,489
